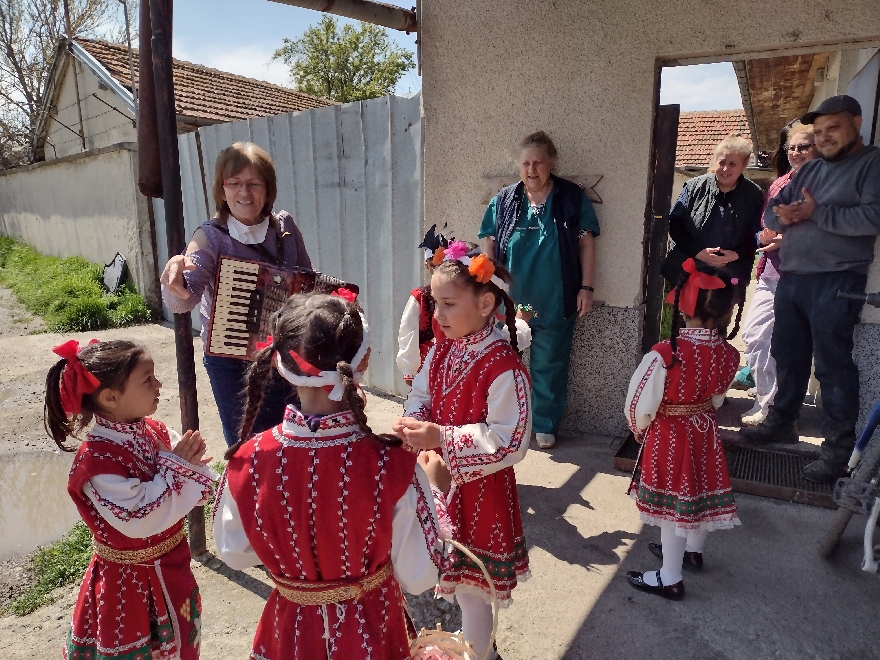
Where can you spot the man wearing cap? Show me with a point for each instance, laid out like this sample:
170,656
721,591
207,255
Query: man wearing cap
829,216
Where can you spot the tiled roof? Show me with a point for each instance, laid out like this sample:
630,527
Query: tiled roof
207,93
699,132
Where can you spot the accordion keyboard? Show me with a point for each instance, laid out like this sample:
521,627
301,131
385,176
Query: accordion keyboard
236,282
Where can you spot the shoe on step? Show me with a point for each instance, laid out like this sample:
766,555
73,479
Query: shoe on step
753,417
545,440
743,380
823,471
766,434
691,559
672,592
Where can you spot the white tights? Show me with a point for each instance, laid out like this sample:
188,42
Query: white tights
674,547
476,621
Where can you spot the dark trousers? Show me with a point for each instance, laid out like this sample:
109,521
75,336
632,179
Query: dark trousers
813,323
228,382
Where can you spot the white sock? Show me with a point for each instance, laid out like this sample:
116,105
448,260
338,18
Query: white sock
476,621
696,540
673,554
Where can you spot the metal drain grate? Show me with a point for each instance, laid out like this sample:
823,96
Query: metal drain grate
763,472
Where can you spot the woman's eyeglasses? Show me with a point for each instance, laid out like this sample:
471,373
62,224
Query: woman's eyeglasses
800,148
235,186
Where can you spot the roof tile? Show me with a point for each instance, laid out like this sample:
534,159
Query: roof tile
699,132
207,93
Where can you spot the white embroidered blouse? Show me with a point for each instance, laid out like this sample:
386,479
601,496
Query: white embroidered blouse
472,451
138,508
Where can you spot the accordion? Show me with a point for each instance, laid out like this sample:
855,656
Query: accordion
247,294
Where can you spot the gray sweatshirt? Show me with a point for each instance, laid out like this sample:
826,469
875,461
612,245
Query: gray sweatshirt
840,233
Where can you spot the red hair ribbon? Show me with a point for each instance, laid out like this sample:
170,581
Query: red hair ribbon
308,368
76,380
304,366
345,294
687,299
261,345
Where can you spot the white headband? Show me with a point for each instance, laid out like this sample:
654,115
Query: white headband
328,378
497,281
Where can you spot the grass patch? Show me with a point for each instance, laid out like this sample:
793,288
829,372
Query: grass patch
68,293
56,565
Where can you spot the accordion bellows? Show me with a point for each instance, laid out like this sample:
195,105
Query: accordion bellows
247,294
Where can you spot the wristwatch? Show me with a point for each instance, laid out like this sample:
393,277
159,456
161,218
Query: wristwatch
587,288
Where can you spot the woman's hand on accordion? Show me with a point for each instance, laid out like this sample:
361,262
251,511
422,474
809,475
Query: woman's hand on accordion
172,275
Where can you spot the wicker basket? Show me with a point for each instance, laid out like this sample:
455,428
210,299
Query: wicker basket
453,645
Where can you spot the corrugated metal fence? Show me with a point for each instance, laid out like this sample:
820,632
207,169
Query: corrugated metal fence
351,176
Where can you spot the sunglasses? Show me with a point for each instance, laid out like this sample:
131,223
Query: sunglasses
800,148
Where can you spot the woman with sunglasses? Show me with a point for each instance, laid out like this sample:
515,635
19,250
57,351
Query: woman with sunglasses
244,227
797,145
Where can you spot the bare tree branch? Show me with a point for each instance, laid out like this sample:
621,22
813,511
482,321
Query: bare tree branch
30,31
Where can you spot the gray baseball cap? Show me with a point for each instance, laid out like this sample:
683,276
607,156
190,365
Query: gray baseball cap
832,105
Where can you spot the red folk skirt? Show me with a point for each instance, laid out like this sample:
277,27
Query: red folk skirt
486,518
131,611
684,476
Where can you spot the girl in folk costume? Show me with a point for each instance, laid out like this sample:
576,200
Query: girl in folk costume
340,517
471,404
418,329
133,480
670,407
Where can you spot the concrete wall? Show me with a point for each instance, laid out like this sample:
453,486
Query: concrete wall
85,205
585,71
103,126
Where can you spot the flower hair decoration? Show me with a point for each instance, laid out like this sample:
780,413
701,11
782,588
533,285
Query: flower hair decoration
480,266
432,243
346,294
76,380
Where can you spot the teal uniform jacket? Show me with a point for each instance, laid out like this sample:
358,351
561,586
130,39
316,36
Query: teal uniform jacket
534,261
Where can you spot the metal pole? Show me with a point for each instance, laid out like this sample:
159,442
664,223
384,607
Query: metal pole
166,120
134,94
396,18
82,130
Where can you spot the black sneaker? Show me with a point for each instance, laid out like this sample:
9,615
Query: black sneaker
824,472
765,434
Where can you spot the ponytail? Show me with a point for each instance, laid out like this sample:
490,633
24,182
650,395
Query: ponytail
56,422
676,316
257,375
739,312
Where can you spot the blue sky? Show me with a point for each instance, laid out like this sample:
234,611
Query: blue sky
240,37
701,87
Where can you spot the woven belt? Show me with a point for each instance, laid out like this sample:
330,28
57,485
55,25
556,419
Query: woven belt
138,556
686,409
327,593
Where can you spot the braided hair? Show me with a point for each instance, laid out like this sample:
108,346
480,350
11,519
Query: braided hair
715,305
327,332
458,272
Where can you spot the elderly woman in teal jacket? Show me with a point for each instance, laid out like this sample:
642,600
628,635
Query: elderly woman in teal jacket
542,229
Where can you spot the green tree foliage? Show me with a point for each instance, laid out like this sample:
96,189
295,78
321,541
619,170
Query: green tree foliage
351,64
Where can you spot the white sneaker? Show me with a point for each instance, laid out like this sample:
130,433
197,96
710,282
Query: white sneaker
545,440
753,417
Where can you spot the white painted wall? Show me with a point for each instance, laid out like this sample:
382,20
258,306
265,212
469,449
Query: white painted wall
83,205
351,177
